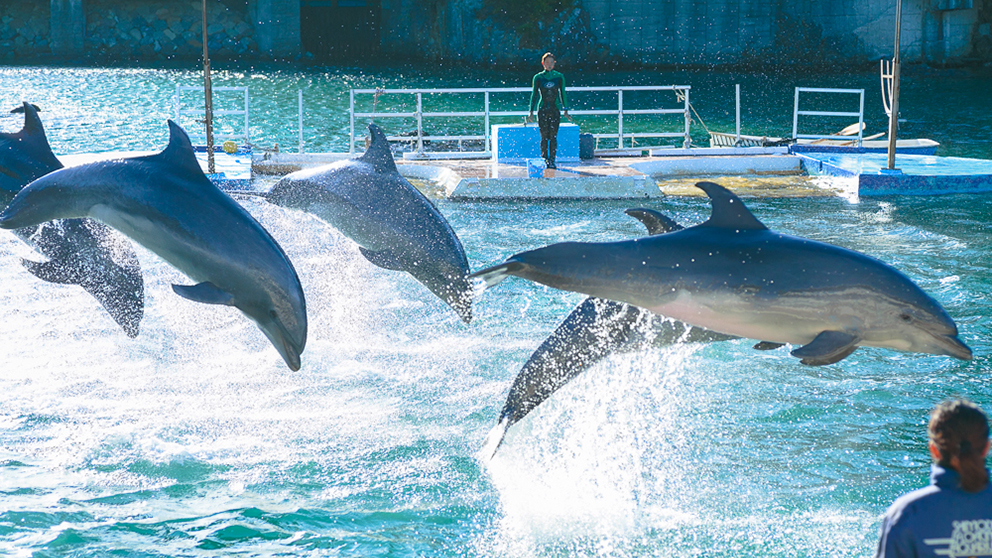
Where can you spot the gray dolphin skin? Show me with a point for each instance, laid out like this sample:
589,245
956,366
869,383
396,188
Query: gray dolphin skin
593,331
79,251
165,203
732,275
395,226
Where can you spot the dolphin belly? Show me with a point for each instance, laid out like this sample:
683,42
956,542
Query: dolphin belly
780,319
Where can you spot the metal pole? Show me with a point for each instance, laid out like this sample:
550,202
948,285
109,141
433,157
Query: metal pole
208,97
687,139
620,120
420,123
894,114
737,90
795,115
486,131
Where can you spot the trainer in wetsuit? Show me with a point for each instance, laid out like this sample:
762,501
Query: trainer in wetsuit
548,88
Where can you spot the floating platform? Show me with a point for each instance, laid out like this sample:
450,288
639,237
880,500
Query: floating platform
920,175
918,146
630,177
233,170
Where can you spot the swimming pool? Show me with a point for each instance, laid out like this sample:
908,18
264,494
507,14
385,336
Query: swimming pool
195,439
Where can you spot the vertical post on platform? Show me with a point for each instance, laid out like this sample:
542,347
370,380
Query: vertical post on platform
208,97
737,91
894,114
620,120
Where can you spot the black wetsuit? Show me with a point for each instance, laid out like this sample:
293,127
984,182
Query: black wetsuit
548,88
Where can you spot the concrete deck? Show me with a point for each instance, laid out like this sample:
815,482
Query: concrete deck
917,174
614,177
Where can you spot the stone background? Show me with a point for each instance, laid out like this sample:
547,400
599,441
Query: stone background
134,30
588,32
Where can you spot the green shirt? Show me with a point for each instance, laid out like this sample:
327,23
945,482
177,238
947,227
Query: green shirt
548,88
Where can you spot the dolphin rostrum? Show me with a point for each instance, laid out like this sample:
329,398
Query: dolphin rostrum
79,251
395,226
165,203
594,330
732,275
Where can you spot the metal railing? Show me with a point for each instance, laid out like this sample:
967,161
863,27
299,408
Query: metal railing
199,114
796,113
487,114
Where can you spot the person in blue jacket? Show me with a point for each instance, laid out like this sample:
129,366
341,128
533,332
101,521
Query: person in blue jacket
547,88
952,516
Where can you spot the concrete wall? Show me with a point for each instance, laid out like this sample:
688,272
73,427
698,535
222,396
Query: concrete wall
720,31
277,26
625,31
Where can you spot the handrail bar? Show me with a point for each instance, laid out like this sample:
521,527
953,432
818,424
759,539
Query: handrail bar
682,92
796,113
179,111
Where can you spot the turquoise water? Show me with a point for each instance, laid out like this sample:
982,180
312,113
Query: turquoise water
925,165
195,440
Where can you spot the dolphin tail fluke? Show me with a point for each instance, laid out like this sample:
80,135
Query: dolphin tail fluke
494,439
53,272
125,302
459,295
827,348
493,275
120,291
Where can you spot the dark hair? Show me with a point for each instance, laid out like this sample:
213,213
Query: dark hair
960,429
546,56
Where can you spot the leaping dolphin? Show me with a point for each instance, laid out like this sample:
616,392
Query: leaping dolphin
395,226
79,251
732,275
165,203
594,330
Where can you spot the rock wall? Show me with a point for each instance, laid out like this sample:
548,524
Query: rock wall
134,30
24,29
583,32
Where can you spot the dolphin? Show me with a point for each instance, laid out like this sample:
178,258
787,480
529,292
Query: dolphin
732,275
165,203
594,330
79,251
395,226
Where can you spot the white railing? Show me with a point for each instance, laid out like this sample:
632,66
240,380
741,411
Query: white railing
199,114
486,114
796,113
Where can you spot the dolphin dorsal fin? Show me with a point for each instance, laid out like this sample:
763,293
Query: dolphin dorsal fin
179,152
378,154
655,221
728,210
32,123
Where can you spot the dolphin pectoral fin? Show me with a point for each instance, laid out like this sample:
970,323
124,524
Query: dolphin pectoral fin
827,348
494,439
768,345
53,272
205,292
495,274
384,259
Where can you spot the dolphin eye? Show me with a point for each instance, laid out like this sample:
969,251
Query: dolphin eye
905,317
